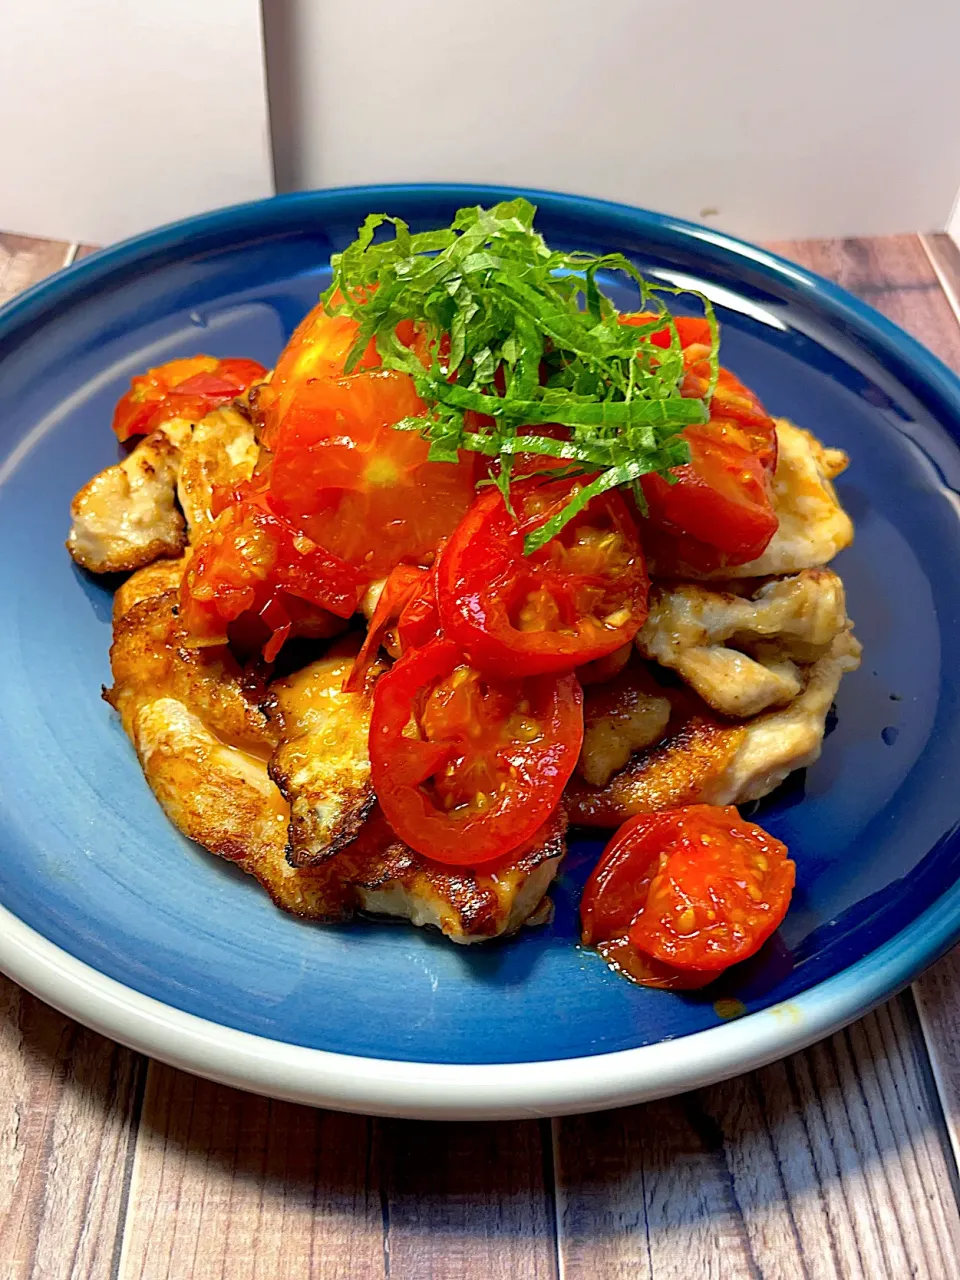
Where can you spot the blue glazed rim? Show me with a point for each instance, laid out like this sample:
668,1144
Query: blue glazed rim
500,1090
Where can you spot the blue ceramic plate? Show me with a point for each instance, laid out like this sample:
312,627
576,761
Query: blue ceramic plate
109,914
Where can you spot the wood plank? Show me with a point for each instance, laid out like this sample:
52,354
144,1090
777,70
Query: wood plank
895,275
25,260
944,254
835,1162
467,1201
67,1095
232,1185
827,1165
226,1184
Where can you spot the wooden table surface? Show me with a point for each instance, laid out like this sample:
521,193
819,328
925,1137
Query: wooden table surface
838,1162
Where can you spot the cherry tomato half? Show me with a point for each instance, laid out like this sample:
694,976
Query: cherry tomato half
466,769
354,484
719,509
695,888
578,598
249,561
181,389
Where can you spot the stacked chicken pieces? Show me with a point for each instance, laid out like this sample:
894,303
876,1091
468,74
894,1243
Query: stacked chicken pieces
727,693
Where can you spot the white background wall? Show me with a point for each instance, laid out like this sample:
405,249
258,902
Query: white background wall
785,118
789,118
117,115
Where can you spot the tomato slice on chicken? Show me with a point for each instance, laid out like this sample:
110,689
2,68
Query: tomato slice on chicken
466,769
363,490
187,388
694,889
578,598
248,563
719,510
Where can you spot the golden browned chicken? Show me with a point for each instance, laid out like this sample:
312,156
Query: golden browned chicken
204,747
740,651
321,764
128,515
707,759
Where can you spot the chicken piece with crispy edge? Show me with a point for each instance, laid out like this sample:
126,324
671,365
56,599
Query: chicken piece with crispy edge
204,749
322,763
813,526
709,760
740,651
127,516
620,717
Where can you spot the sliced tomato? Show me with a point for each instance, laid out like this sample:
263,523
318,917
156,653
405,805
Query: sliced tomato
721,498
466,769
580,597
247,563
695,889
691,330
722,887
318,348
719,509
187,388
358,487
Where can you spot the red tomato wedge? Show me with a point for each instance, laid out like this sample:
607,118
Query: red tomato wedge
579,598
182,389
719,509
318,348
366,492
248,562
695,889
465,769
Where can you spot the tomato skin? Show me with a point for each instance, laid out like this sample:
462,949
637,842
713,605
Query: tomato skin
473,735
360,488
721,497
516,615
719,510
187,388
694,889
249,561
742,878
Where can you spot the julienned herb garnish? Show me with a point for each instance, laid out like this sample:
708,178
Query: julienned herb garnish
532,341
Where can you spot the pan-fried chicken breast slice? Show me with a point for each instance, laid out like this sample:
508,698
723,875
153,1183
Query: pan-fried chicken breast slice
713,761
813,525
222,450
150,662
127,516
782,622
322,765
204,748
464,904
620,717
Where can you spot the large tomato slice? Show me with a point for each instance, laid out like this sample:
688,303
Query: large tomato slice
719,509
248,563
318,348
187,388
363,490
466,769
694,889
580,597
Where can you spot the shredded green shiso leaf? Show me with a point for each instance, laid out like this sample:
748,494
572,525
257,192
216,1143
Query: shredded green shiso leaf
510,304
